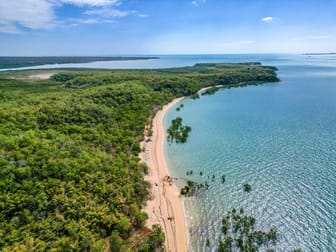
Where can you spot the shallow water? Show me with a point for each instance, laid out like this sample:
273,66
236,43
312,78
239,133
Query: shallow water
278,137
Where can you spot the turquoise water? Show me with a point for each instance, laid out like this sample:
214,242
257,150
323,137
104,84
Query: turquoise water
278,137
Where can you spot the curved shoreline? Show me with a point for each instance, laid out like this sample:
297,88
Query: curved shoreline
165,206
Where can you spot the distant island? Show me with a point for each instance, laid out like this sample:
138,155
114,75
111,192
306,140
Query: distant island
14,62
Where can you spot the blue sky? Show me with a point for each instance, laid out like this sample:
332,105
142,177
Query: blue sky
119,27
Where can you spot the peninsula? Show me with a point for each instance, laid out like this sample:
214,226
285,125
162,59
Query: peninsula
71,176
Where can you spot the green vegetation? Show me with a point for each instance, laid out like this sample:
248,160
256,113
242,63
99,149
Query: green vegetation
211,90
213,177
180,107
12,62
185,81
247,187
70,176
154,242
223,179
189,173
177,132
192,188
240,234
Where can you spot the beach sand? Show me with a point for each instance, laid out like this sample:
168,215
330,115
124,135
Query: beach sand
166,205
40,76
34,75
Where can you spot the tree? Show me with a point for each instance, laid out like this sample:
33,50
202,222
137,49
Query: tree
247,187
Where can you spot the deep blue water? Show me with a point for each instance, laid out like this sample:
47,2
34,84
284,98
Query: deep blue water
278,137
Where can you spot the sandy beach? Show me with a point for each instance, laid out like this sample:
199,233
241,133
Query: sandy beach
35,75
165,206
202,90
41,76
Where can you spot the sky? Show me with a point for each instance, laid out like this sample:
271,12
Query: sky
134,27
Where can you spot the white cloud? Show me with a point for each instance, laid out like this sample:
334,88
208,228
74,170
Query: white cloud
109,13
31,14
198,2
16,16
91,2
9,28
142,15
268,19
78,21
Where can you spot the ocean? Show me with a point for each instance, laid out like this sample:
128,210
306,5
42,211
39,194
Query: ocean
278,137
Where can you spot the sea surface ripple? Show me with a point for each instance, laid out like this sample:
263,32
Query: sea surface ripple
278,137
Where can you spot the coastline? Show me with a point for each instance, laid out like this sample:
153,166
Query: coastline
206,88
165,206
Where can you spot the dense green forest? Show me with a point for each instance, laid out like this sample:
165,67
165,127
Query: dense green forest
13,62
70,176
